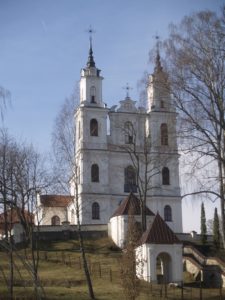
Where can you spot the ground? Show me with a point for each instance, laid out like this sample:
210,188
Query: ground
62,276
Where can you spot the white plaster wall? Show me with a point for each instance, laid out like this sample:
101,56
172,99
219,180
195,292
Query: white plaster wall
119,227
150,253
49,212
157,204
87,82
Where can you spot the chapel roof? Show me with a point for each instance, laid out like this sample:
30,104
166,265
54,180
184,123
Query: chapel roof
159,233
131,204
15,215
55,200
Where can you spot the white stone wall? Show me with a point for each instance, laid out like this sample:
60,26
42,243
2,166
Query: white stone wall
147,254
119,226
46,214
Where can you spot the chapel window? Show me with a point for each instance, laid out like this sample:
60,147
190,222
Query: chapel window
129,132
94,173
164,134
55,220
167,213
165,176
93,94
95,211
130,184
94,127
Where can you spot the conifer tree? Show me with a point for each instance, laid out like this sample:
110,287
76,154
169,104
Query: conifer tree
216,230
203,225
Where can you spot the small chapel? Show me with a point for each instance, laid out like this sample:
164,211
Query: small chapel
108,140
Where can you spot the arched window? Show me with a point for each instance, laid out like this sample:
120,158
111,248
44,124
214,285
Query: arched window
130,180
165,176
93,127
93,94
55,220
95,211
164,134
94,173
72,216
129,130
167,213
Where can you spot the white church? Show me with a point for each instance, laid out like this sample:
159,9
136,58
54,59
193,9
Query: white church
107,142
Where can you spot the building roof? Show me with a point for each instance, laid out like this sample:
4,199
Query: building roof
55,200
15,215
131,205
159,233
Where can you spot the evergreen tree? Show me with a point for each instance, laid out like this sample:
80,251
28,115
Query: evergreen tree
203,224
216,230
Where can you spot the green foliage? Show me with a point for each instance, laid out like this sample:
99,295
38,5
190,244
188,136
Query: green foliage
203,225
216,230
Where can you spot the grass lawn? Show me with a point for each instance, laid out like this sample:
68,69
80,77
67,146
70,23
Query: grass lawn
62,275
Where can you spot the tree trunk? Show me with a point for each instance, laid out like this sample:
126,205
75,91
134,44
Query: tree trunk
84,259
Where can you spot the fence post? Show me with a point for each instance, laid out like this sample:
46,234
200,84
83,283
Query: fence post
110,275
182,290
100,270
221,296
200,290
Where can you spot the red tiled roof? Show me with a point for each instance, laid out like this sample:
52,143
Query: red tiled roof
55,200
159,233
131,204
15,215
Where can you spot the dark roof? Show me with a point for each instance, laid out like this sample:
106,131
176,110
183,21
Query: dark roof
159,233
55,200
131,205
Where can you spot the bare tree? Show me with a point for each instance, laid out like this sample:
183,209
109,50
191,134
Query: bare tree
195,63
129,281
20,176
146,163
66,170
4,99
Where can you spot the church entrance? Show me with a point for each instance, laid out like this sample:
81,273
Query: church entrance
163,268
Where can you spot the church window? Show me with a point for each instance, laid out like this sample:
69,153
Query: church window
94,173
162,104
95,211
93,94
128,129
55,220
167,213
165,176
93,127
130,180
164,134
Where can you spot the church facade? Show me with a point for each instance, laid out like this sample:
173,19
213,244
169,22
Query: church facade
121,148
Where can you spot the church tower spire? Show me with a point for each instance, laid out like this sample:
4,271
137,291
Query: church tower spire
158,91
90,62
91,80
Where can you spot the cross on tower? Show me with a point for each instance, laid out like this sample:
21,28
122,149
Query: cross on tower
157,37
127,88
90,31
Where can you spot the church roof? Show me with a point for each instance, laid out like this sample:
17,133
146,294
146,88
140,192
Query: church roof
56,200
159,233
131,204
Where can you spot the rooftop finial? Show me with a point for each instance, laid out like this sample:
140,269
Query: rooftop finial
127,88
91,62
158,66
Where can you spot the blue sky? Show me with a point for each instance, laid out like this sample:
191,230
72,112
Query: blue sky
44,44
